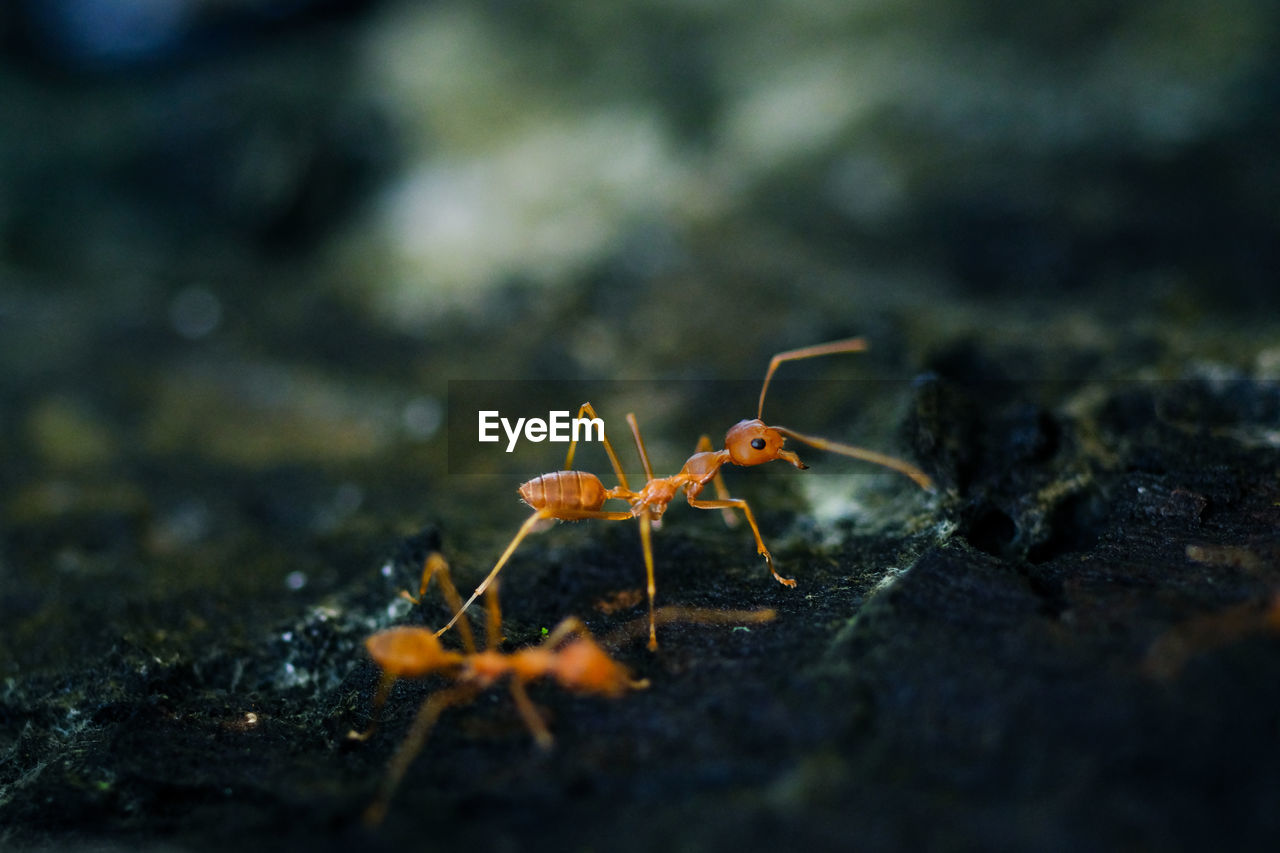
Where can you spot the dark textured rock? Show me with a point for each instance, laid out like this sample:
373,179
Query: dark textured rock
220,409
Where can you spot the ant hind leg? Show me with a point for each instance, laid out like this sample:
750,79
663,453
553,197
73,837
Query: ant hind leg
525,529
425,720
532,719
493,618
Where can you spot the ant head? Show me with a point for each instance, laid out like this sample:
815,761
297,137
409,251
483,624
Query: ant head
753,442
583,665
409,652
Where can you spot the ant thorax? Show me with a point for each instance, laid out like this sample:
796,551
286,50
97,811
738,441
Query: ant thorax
701,467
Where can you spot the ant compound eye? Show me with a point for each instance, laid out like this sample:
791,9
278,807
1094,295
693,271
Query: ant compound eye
757,443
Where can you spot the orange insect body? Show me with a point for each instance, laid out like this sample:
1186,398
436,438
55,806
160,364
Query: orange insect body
570,495
704,466
565,492
407,652
578,664
486,668
657,495
569,656
585,667
701,467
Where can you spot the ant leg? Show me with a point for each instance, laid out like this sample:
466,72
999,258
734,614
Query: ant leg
525,529
586,408
693,615
412,745
705,446
538,515
644,455
493,618
434,565
847,345
570,626
647,546
1173,649
646,524
532,719
709,616
902,466
379,699
751,519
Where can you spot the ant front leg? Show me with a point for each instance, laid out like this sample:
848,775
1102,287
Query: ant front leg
722,492
437,565
739,503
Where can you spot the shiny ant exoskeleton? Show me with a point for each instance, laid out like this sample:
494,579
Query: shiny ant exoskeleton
570,495
568,656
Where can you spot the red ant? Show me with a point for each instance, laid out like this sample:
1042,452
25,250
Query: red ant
569,656
569,495
1171,651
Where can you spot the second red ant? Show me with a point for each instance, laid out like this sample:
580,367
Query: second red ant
568,656
570,495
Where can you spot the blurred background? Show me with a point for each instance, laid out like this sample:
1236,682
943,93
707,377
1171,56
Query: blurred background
245,244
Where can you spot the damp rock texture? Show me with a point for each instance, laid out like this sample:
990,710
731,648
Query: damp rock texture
246,247
1073,643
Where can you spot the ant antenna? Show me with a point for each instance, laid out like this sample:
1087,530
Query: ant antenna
902,466
847,345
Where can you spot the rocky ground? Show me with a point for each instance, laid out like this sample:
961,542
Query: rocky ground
241,261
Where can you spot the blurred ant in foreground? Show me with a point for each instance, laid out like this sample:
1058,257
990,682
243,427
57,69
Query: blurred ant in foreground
1173,649
568,656
570,495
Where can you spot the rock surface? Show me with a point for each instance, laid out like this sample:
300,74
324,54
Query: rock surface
237,274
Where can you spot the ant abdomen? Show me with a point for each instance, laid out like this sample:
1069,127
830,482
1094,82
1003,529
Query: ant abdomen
561,491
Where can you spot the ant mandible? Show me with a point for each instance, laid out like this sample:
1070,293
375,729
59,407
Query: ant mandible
569,656
570,495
